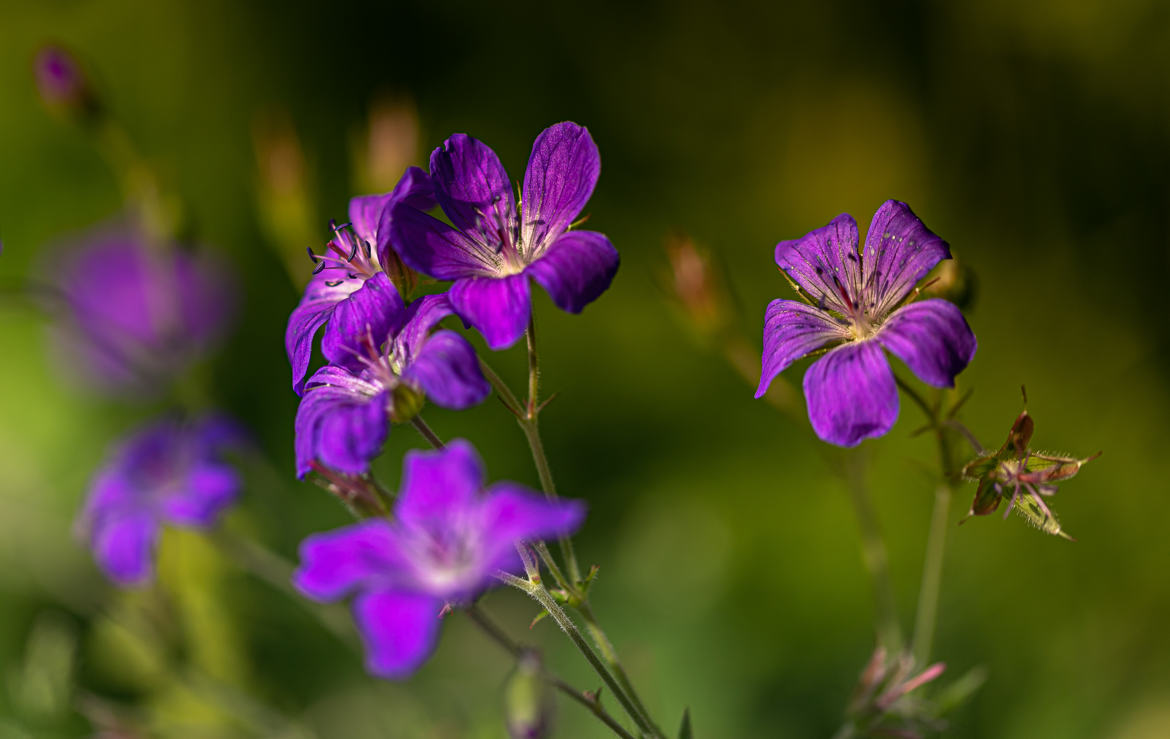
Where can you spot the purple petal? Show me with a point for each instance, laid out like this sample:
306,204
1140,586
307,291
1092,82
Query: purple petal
399,630
562,172
792,330
432,247
418,319
498,307
825,263
341,422
327,288
448,371
512,512
362,320
851,394
209,488
439,487
361,556
473,189
899,251
123,546
932,338
576,269
414,190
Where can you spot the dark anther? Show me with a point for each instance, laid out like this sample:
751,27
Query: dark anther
333,283
320,267
312,257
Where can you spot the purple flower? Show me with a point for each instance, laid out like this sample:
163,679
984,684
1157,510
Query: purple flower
168,472
449,536
137,313
492,249
856,307
355,258
344,414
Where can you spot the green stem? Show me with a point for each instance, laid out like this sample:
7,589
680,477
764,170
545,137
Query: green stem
611,657
531,425
873,551
426,432
494,632
542,596
928,594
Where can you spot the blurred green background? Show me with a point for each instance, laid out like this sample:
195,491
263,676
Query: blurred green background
1034,137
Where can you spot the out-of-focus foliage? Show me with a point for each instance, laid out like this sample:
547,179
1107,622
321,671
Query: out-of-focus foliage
1035,138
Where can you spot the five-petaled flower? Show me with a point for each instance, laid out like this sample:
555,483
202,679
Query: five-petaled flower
854,304
448,538
136,312
491,249
355,260
169,471
346,410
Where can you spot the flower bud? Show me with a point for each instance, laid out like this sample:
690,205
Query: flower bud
697,285
527,701
953,280
62,84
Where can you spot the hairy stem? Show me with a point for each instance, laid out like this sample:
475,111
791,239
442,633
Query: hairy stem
496,634
542,596
611,657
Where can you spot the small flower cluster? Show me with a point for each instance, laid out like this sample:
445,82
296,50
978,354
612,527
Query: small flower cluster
446,539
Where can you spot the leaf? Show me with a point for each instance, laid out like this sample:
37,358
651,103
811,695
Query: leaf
684,730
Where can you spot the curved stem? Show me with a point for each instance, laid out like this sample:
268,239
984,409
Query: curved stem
542,596
516,650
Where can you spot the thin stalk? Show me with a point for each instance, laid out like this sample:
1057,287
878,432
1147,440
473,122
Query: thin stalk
610,654
426,432
928,594
503,392
496,634
542,596
873,550
531,426
270,567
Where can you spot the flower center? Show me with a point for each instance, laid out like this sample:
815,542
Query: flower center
349,252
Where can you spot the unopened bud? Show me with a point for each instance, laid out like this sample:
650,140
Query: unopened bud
528,702
697,285
404,279
62,84
954,281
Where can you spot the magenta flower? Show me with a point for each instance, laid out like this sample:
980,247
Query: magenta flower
137,313
448,538
345,413
354,259
167,472
855,306
492,249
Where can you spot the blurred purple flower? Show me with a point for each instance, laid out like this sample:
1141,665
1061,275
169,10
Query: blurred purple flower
853,305
137,314
357,256
60,80
166,472
344,415
492,249
448,538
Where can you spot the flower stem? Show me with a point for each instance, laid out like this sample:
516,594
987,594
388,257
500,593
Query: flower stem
531,425
496,634
542,596
873,550
611,657
928,594
426,432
